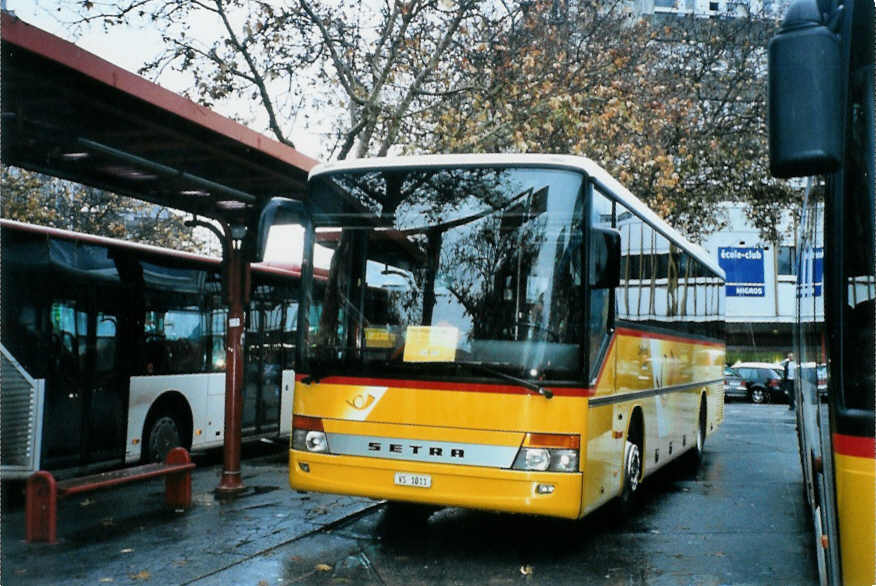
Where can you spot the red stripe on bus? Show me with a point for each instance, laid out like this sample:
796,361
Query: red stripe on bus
853,445
448,386
669,337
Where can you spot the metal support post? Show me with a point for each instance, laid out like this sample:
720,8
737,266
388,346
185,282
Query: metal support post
237,292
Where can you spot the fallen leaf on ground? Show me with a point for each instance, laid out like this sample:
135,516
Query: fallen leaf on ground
323,568
128,550
142,575
105,580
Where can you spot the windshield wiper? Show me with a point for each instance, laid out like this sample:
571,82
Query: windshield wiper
480,366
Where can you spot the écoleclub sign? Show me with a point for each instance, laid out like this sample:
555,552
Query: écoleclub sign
744,271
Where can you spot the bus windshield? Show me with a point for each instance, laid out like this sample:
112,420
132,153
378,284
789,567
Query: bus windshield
468,270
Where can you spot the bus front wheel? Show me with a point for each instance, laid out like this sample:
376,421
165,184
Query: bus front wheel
162,435
632,476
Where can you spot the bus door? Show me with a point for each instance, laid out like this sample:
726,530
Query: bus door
263,367
86,389
66,382
106,399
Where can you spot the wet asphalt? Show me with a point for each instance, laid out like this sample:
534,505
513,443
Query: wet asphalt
738,518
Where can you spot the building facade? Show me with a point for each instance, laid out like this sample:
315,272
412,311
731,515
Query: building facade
709,8
761,290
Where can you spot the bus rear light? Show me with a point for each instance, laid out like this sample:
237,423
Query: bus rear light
308,434
548,452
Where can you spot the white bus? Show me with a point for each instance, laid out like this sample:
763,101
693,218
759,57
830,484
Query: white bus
114,352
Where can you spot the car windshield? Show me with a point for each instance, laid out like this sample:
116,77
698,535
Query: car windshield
454,268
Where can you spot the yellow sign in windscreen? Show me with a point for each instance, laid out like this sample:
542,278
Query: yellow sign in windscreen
430,344
379,338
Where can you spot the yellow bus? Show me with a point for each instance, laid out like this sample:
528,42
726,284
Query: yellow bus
506,332
821,124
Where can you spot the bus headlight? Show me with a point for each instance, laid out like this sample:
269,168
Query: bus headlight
564,460
315,441
308,435
548,453
532,459
307,440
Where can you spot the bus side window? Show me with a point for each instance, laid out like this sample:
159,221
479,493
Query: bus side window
183,329
69,337
106,343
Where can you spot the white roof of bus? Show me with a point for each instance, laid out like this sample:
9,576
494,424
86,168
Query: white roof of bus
600,175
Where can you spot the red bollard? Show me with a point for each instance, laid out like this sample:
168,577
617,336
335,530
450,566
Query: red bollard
41,508
178,486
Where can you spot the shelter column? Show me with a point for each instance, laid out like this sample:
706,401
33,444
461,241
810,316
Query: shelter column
236,283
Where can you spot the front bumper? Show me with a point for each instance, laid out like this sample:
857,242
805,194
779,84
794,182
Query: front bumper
452,485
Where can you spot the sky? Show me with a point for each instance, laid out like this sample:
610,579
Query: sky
130,47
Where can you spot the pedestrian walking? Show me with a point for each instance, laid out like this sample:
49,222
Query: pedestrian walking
789,368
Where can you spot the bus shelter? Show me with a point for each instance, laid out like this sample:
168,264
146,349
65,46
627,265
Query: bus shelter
70,114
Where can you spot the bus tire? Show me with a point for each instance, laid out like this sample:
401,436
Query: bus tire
163,433
632,478
696,454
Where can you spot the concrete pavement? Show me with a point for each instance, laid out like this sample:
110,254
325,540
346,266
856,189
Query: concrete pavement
126,535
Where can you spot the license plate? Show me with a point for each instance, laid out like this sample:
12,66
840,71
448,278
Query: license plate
415,480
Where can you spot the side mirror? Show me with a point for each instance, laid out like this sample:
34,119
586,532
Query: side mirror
805,94
605,252
279,211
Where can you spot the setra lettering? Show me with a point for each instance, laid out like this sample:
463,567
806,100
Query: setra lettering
416,450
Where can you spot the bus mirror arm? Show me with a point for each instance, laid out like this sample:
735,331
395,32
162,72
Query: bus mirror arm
278,211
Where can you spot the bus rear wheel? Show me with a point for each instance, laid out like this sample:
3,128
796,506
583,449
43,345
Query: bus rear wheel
163,434
696,454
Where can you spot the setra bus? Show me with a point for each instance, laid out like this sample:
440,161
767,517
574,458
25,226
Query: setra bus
507,332
114,352
821,124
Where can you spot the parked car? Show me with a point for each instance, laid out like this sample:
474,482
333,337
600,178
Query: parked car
734,385
762,381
